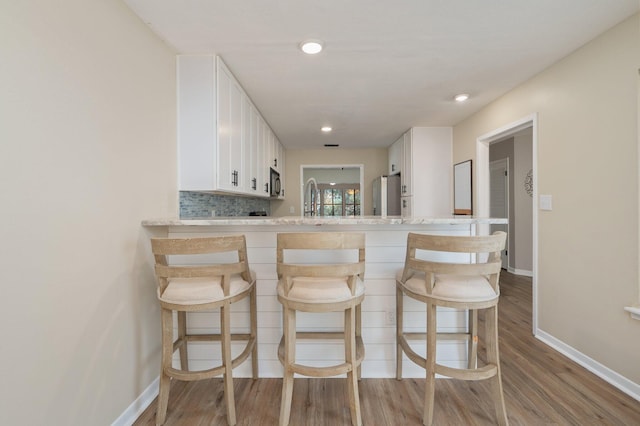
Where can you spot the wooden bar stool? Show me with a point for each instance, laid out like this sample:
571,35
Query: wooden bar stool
188,285
469,286
323,272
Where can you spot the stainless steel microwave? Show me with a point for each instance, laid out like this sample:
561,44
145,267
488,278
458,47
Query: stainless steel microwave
274,184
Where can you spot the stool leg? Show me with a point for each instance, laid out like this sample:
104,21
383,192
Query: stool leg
472,352
182,333
431,364
350,357
167,352
225,341
399,331
358,334
289,326
493,357
254,332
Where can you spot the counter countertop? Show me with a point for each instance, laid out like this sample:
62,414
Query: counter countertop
339,220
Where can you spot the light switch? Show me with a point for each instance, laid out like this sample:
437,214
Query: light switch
545,202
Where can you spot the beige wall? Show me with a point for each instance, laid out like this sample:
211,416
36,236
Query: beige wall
588,161
87,150
374,160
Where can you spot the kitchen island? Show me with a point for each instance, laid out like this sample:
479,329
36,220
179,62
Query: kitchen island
385,251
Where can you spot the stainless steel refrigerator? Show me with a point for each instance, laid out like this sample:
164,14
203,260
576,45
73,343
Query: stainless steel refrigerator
386,196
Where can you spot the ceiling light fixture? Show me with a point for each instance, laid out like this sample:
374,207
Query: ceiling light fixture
326,129
311,47
461,97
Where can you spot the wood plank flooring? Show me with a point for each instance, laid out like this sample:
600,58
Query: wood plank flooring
542,387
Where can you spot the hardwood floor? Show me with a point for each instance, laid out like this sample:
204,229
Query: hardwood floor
541,386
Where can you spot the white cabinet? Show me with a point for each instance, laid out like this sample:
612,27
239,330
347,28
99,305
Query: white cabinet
425,171
396,156
406,177
253,155
224,143
232,134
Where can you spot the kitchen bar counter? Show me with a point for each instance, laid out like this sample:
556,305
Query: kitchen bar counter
386,239
315,221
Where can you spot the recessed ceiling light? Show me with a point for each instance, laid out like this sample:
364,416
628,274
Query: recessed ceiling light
326,129
461,97
311,47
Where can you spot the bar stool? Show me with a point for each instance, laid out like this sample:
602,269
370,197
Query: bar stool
468,286
323,273
193,286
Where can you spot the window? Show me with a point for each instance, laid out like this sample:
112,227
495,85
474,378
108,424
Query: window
339,200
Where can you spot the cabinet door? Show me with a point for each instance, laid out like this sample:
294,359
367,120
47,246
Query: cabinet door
230,149
265,154
395,156
406,177
251,143
279,163
406,205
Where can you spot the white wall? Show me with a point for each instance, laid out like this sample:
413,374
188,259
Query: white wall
87,150
587,160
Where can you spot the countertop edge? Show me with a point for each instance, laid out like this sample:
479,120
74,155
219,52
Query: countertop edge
297,220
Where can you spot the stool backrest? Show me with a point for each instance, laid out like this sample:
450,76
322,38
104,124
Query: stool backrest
311,264
486,246
163,247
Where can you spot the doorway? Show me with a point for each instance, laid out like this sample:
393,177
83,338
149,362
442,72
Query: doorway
483,179
499,200
339,187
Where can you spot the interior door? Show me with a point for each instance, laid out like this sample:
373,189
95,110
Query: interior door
499,199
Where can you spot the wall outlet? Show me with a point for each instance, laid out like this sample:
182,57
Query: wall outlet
292,209
390,317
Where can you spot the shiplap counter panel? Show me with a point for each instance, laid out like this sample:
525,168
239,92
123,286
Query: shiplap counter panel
385,252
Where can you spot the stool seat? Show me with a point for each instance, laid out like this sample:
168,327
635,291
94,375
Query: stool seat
196,291
453,288
319,290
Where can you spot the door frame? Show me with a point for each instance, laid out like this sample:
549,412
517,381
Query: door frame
482,177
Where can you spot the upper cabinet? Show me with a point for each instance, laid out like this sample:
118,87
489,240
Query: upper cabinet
233,132
224,143
396,156
424,159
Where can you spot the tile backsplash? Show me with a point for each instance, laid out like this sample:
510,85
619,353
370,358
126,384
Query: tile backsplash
202,204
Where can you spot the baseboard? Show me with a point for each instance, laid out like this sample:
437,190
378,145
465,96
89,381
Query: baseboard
131,414
625,385
522,272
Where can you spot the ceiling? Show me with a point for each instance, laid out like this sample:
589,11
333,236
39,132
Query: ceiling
386,66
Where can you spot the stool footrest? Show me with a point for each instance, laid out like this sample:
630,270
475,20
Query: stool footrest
189,376
329,370
480,373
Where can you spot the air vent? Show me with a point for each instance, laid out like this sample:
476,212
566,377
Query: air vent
331,145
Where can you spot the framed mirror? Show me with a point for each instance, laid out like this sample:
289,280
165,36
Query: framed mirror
462,188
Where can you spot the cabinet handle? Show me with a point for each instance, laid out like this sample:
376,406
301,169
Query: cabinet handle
266,187
275,162
234,178
393,167
404,204
404,189
254,183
